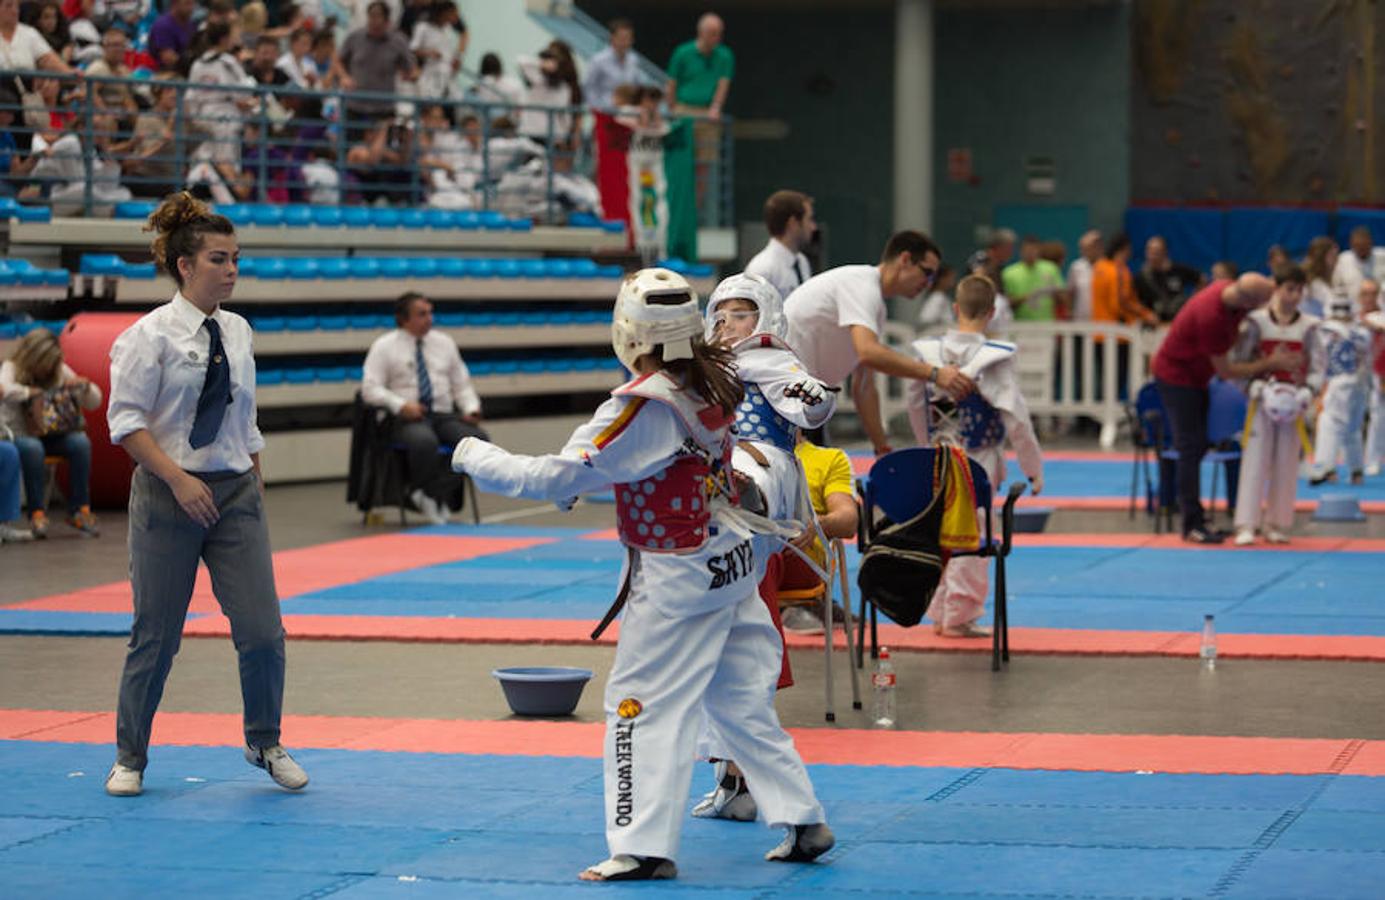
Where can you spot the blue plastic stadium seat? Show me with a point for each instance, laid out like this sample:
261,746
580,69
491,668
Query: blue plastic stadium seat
583,220
613,226
249,267
361,322
609,362
356,216
300,375
585,268
56,277
479,369
480,319
451,267
505,366
507,319
238,213
414,218
302,268
54,325
266,214
333,323
364,267
537,317
558,364
300,323
494,221
610,271
355,373
8,276
327,216
331,373
271,267
33,213
269,377
450,319
508,268
384,217
101,264
298,215
466,219
269,323
531,366
440,218
698,270
521,224
8,206
673,264
29,274
334,268
481,268
585,364
559,268
141,271
394,267
384,320
137,209
559,317
533,268
423,267
8,330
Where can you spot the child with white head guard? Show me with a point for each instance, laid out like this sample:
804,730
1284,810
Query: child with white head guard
746,315
1275,429
694,627
1344,346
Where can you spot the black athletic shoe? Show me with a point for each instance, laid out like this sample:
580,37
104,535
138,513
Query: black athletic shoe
1202,536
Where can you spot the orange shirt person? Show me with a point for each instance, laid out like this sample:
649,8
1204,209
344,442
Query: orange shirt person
1113,287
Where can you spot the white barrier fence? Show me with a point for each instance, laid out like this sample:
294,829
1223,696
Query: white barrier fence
1069,370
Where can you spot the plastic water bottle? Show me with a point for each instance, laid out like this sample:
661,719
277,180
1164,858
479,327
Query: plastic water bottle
884,683
1208,651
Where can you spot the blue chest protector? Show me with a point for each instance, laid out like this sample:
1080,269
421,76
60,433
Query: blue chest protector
980,423
756,420
1344,357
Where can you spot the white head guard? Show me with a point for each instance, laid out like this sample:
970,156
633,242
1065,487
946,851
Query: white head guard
758,291
655,306
1282,401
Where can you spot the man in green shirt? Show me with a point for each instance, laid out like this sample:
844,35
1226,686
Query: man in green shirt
1032,283
700,71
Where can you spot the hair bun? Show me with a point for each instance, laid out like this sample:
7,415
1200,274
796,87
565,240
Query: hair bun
176,211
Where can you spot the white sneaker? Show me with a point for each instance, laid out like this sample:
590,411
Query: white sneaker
731,799
1275,536
1372,470
280,766
801,620
803,843
124,781
430,508
11,535
1244,537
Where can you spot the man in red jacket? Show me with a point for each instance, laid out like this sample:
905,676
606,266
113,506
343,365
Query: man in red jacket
1195,349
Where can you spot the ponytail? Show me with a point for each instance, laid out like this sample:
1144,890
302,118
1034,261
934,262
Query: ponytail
179,224
711,374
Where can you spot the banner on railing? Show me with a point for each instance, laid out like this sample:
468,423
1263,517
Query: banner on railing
646,180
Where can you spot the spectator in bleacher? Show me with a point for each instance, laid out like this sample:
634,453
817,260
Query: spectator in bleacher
219,114
10,479
1113,287
360,13
219,12
1319,266
125,15
253,20
372,59
1224,268
1080,274
320,177
615,64
1194,349
992,259
52,27
297,61
117,98
494,86
788,216
699,79
418,375
438,43
324,59
1163,285
380,163
444,161
264,65
22,47
170,37
550,80
1354,267
1032,283
41,404
1276,257
149,168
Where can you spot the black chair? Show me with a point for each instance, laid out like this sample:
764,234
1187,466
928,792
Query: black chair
900,486
378,474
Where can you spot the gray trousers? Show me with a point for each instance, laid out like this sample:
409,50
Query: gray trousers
165,546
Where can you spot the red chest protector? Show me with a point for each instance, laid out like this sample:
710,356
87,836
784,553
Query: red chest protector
1293,335
670,511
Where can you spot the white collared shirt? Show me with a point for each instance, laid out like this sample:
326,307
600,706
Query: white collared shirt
158,367
775,264
605,72
391,373
1080,280
822,312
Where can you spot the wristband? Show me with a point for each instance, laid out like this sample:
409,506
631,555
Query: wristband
933,375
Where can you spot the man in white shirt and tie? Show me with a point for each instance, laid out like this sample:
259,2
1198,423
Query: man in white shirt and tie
789,218
418,375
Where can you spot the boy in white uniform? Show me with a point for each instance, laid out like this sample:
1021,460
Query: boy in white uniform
980,424
1275,430
1369,304
746,315
695,628
1344,346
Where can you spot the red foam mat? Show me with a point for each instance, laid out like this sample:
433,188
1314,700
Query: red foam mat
310,568
1082,752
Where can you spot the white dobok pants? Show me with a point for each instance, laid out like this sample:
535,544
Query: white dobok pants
1375,432
1340,426
668,666
966,581
1269,474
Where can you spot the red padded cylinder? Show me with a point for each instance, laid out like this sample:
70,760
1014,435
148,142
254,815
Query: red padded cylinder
86,344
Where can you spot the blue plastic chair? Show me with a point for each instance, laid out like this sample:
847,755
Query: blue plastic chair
140,271
327,216
384,217
364,267
467,220
266,214
333,268
394,267
1226,415
356,216
423,267
33,213
900,486
137,209
298,216
101,264
451,267
440,218
1226,420
413,218
302,268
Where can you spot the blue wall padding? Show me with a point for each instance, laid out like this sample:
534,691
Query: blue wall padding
1250,232
1196,237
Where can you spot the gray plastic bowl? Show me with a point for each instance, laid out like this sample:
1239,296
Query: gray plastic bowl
1031,519
542,690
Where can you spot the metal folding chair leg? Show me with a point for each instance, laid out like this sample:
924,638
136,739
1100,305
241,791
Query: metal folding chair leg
846,623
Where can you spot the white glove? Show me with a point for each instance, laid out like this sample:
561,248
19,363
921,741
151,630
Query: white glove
809,390
459,453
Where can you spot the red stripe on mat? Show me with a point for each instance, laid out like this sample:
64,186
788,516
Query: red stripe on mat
1038,641
310,569
1082,752
1102,504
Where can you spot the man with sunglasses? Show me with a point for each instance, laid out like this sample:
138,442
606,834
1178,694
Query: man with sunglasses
836,319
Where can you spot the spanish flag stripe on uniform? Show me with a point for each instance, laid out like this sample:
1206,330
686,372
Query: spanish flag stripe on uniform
619,424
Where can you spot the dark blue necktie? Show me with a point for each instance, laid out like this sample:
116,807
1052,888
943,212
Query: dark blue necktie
216,391
797,270
425,384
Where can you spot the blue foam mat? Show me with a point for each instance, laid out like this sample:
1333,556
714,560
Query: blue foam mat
376,824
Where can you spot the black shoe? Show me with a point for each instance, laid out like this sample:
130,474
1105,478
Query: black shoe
1202,536
1320,480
